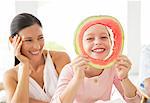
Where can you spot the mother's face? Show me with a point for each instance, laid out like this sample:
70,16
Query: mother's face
33,41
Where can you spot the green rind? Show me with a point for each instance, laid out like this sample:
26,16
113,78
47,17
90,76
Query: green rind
90,19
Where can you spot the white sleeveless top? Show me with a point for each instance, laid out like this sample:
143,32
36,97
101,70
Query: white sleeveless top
50,82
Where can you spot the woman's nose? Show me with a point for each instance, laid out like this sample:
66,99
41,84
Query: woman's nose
36,45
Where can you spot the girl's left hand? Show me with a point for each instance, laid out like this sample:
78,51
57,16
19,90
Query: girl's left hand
123,65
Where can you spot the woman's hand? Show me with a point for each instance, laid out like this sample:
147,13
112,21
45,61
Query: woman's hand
123,65
79,65
17,43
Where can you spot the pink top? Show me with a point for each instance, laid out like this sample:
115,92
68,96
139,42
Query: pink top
93,89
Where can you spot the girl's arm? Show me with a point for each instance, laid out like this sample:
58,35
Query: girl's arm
78,65
128,88
121,81
70,80
17,92
70,91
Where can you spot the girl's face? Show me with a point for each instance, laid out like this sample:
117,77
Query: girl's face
97,42
33,42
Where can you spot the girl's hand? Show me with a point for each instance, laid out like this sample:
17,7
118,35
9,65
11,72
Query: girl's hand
123,65
17,43
79,65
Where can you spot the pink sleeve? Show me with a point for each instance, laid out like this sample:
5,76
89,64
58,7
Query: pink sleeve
135,99
100,101
64,78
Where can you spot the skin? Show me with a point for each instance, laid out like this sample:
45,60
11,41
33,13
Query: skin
28,48
1,86
147,86
97,42
97,37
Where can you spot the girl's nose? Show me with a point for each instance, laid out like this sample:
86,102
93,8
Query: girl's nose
97,41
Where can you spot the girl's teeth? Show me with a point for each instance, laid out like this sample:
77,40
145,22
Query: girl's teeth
98,50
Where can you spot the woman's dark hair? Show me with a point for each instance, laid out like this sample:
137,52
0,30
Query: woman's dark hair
20,22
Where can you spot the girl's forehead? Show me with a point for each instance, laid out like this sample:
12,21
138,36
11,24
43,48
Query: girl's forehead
97,28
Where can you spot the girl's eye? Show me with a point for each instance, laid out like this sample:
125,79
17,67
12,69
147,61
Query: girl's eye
105,37
89,39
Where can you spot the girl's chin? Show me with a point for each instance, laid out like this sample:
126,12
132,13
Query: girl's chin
99,57
90,76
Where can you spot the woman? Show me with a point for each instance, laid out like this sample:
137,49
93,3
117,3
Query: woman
34,77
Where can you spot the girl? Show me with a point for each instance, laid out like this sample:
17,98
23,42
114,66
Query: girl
81,83
34,77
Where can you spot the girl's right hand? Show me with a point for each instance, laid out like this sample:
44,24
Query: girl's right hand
17,43
79,65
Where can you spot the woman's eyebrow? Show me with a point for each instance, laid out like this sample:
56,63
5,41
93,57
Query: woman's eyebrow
40,35
28,38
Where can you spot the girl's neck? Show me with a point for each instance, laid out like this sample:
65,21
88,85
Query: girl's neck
92,72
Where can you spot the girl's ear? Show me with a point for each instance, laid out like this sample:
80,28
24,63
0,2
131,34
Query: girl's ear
10,39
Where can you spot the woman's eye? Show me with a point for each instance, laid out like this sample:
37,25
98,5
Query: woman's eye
41,38
27,40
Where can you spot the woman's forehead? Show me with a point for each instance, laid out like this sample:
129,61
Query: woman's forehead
34,30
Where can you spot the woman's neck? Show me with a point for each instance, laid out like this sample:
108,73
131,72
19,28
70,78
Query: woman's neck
38,62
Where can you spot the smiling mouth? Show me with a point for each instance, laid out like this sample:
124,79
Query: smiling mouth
35,53
98,50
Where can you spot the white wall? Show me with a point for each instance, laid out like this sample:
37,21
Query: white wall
134,33
7,12
61,17
145,22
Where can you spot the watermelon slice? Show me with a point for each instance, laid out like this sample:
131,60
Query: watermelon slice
118,36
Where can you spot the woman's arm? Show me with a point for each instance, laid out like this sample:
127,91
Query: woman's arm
17,92
1,86
31,100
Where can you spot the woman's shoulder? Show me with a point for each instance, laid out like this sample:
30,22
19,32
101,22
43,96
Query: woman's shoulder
11,73
60,59
59,56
